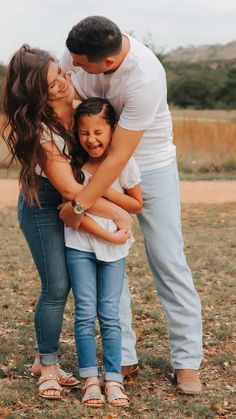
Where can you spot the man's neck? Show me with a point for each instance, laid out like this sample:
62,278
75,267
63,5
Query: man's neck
122,54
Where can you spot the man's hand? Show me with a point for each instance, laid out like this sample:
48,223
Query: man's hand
69,218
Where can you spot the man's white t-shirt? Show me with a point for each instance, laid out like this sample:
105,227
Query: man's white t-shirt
137,91
81,240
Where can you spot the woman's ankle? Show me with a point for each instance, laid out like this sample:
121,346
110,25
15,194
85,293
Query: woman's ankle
49,369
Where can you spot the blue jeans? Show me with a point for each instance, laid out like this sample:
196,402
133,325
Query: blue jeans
160,221
97,287
44,233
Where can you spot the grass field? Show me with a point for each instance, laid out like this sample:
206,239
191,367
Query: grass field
211,251
205,140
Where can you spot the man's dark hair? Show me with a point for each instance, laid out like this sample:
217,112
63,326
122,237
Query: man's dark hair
96,37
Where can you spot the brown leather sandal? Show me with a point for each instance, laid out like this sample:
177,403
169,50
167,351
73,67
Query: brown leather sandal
130,371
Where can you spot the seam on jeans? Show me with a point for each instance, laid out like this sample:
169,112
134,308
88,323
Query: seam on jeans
46,274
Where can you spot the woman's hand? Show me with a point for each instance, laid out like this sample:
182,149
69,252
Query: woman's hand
68,216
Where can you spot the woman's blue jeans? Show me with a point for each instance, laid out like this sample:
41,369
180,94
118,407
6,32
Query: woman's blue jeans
44,233
97,287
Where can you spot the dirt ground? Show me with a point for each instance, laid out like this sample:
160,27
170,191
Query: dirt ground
199,192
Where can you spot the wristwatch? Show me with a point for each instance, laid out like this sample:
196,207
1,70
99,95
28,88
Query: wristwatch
79,208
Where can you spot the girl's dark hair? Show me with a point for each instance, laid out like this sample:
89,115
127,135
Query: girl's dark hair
27,112
90,107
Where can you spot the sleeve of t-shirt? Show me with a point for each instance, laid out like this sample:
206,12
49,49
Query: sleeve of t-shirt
50,136
130,175
141,103
75,72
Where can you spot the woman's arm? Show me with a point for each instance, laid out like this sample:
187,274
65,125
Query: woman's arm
58,170
118,237
131,201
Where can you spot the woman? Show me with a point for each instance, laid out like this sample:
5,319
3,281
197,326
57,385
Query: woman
38,103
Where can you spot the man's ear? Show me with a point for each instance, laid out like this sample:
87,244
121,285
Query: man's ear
109,61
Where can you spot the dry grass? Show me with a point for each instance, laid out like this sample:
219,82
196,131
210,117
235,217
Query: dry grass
152,396
205,140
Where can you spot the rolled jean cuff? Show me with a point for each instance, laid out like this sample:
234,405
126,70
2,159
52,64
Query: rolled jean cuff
49,359
113,376
129,361
186,365
88,372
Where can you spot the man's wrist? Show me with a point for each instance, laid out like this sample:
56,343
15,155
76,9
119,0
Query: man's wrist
78,207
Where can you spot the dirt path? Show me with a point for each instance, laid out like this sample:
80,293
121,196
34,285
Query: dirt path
199,192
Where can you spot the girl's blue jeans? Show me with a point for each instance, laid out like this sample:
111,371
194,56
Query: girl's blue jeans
97,287
44,233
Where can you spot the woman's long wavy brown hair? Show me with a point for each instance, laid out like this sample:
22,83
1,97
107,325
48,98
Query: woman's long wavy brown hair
25,105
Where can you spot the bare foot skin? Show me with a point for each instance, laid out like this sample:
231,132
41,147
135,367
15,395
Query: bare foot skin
92,395
65,379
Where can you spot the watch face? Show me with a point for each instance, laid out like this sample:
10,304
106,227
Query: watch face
78,208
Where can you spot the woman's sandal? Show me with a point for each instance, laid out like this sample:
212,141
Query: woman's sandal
89,394
118,396
64,380
50,382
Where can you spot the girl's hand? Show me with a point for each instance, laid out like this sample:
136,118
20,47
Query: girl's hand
122,219
121,236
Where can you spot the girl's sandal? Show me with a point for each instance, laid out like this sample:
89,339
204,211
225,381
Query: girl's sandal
50,382
90,394
116,398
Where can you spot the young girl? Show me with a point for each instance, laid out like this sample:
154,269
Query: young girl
96,264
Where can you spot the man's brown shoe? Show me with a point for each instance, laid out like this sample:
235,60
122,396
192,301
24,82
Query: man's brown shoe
188,382
130,371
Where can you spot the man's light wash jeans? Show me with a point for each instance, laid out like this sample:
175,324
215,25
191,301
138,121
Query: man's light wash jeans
161,226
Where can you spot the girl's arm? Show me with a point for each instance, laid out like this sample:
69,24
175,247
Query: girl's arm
131,201
58,170
118,237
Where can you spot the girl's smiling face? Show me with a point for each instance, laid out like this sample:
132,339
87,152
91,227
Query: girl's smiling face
95,135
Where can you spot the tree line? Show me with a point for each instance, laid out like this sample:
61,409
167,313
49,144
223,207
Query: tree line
205,85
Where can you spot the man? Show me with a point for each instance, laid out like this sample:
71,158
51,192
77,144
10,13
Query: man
105,63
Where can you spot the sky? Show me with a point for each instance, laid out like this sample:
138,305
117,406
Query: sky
168,23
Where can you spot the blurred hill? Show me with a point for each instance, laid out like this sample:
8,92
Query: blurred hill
206,53
198,77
